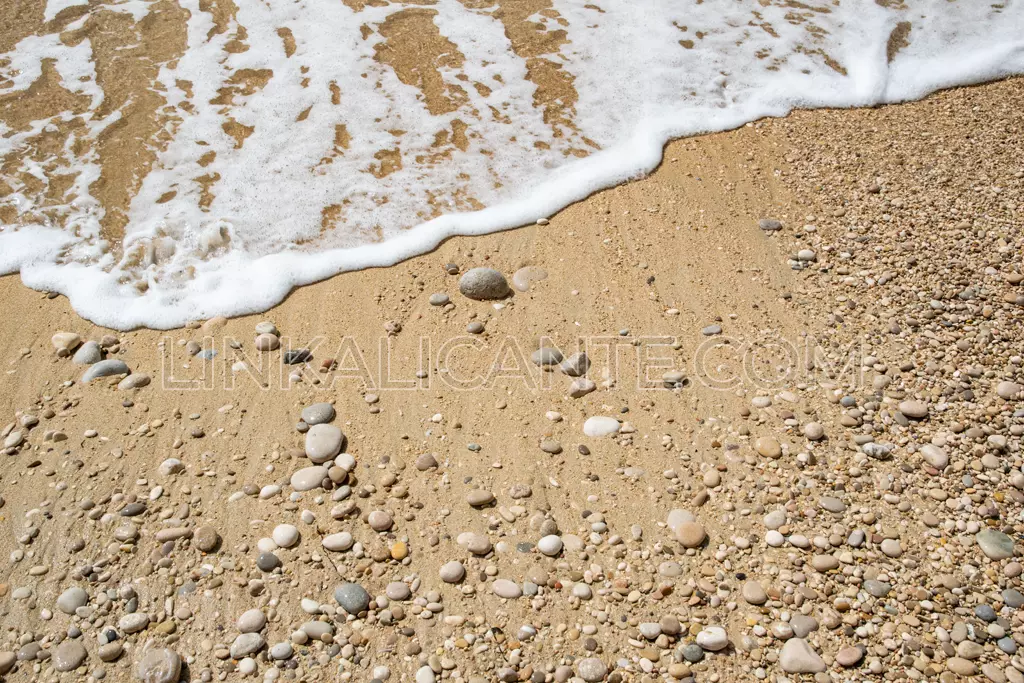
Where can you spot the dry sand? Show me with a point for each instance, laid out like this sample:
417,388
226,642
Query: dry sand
916,213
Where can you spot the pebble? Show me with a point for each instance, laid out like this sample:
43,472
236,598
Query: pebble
251,621
797,657
318,413
479,498
916,410
285,535
352,597
159,666
438,299
88,353
338,542
713,638
550,545
754,593
69,655
526,276
71,599
247,644
105,368
308,478
591,669
934,456
769,447
323,442
504,588
599,425
691,534
206,538
482,284
452,572
267,342
995,544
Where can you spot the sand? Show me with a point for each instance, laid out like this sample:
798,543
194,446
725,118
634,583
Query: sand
637,268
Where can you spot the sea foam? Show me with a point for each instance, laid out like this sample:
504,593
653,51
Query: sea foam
369,134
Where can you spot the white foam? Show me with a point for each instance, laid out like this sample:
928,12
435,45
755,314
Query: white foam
637,88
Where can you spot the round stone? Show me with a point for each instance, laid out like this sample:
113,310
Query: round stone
814,431
713,638
438,299
323,442
72,599
318,413
397,590
452,572
754,593
482,284
1008,390
267,562
768,446
379,520
281,651
159,666
352,597
267,342
251,621
691,534
550,545
285,535
206,538
599,425
591,669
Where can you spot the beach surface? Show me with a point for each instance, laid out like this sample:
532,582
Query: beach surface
794,451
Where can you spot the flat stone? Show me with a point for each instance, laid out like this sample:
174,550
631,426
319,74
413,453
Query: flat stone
69,655
1008,390
915,410
397,590
961,666
338,542
482,284
135,381
323,442
524,277
352,597
769,224
479,498
247,644
159,666
133,623
504,588
797,657
754,593
711,330
308,478
849,656
599,425
105,368
995,544
318,413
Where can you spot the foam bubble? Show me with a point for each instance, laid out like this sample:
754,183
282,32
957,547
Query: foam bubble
299,158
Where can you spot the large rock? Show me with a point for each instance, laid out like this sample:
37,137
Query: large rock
482,284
